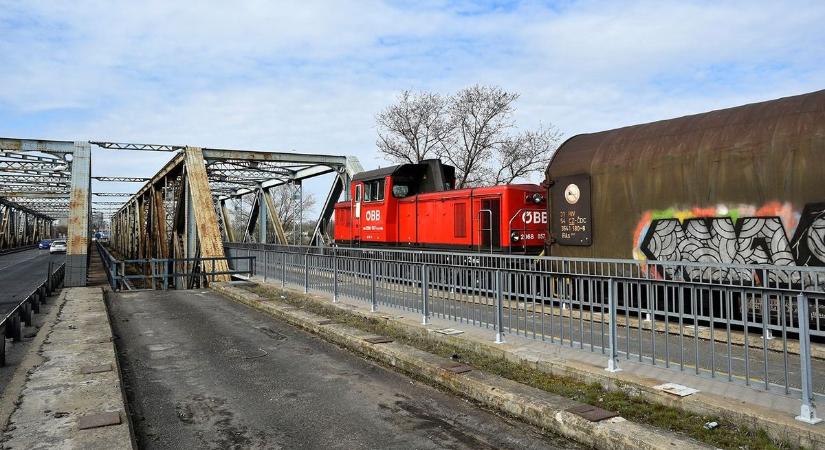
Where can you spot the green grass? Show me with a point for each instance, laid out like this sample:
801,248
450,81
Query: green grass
634,408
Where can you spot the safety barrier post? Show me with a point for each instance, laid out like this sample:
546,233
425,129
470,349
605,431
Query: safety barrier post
306,273
335,275
373,299
807,412
266,263
26,311
283,269
613,357
425,294
499,309
49,280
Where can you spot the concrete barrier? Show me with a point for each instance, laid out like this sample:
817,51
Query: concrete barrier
72,397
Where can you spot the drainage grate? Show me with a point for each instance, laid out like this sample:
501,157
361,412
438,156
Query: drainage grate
456,367
99,420
96,369
592,413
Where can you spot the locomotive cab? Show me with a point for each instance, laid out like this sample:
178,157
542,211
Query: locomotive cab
417,206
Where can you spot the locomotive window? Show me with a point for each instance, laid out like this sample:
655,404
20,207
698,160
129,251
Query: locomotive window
358,193
400,191
374,191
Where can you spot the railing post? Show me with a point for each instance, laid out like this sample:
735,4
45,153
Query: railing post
613,355
499,309
807,412
335,276
425,294
266,262
49,280
165,278
373,298
122,265
306,273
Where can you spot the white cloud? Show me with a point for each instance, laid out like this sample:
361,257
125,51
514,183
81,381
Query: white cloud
310,76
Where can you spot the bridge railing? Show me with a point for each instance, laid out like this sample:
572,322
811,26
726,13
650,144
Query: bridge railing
22,314
171,273
752,328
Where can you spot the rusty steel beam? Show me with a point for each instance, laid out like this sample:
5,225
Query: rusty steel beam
277,225
113,194
79,215
139,147
36,145
206,221
123,179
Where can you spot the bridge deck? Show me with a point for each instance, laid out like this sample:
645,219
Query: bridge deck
203,370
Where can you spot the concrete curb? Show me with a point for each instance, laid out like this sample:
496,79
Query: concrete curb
77,381
532,405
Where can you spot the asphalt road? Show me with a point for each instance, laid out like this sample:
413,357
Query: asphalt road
21,272
203,372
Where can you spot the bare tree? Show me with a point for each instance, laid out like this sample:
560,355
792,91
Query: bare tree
524,154
472,130
480,117
414,128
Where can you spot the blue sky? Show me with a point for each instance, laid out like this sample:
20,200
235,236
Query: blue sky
309,76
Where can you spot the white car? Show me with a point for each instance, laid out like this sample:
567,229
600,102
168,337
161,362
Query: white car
57,247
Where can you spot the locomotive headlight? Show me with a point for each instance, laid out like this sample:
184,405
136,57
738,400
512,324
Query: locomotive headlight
514,236
536,198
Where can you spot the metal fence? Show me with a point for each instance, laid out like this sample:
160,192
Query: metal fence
23,313
737,323
170,273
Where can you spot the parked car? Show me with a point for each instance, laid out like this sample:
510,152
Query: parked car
44,244
57,247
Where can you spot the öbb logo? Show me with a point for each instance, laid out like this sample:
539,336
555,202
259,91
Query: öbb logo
373,215
539,217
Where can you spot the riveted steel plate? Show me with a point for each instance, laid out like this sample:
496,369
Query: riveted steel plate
99,420
456,367
592,413
96,369
378,340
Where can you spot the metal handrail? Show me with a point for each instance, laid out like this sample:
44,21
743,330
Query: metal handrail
752,276
116,269
11,323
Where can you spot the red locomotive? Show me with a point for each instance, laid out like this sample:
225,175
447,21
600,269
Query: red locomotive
415,205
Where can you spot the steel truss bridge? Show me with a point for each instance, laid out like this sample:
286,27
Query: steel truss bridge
180,213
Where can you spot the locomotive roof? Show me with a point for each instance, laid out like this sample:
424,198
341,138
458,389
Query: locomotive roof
381,172
757,128
393,170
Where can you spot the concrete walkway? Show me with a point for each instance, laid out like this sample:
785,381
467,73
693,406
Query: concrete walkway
72,399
